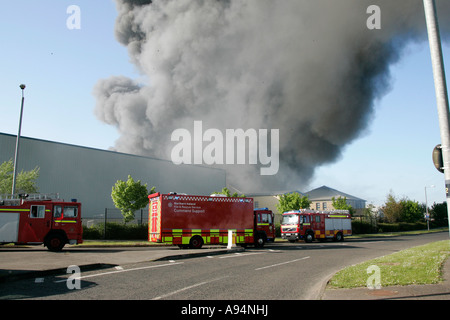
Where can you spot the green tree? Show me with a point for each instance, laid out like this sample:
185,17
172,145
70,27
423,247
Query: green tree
341,204
392,209
129,196
227,192
25,180
292,201
439,213
412,211
404,210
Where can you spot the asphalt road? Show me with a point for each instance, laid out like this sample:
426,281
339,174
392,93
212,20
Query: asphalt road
279,271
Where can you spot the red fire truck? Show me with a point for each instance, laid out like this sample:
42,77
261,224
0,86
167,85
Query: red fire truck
40,218
308,225
191,221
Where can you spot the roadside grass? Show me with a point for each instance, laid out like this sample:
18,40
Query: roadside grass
418,265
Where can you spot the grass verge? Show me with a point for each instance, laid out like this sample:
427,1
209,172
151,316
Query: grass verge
418,265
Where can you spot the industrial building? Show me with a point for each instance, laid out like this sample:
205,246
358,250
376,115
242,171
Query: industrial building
88,174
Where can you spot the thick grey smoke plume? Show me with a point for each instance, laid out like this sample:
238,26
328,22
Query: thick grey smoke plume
310,68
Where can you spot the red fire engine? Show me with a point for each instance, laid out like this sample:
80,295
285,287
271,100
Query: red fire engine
191,221
40,218
309,225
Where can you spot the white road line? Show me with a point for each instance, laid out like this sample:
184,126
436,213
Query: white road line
370,242
186,288
123,270
280,264
236,255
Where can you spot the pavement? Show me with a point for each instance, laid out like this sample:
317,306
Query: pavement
33,262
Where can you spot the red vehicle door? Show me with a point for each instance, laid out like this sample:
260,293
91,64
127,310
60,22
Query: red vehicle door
66,217
264,223
36,223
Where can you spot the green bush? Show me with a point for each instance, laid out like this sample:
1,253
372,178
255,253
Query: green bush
277,230
361,227
401,226
116,231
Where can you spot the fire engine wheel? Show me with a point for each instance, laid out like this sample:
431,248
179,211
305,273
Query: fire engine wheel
196,242
55,243
339,237
260,240
309,237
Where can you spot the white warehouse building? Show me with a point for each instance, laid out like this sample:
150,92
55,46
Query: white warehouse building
88,174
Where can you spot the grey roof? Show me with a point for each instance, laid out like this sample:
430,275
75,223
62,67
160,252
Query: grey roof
275,193
326,193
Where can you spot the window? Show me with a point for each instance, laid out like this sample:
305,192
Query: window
265,218
324,206
317,206
37,212
70,212
304,219
290,219
57,211
318,219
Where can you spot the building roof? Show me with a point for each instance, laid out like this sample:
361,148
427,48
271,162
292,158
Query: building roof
326,193
274,194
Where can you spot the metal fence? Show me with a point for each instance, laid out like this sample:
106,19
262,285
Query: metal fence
114,215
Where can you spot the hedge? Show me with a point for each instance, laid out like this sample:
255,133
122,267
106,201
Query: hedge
116,231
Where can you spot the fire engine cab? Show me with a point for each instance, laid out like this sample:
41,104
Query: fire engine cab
40,219
308,225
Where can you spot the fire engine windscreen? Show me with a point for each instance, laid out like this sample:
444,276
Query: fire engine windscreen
313,69
290,219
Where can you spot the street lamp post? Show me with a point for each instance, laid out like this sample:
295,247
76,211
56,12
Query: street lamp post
427,215
441,89
16,155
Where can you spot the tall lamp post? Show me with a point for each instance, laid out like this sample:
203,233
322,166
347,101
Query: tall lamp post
427,215
441,89
16,155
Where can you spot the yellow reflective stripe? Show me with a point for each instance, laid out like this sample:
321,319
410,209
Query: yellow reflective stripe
66,221
263,224
19,210
330,216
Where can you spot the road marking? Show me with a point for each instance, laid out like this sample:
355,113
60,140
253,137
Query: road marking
370,242
280,264
186,288
240,255
123,270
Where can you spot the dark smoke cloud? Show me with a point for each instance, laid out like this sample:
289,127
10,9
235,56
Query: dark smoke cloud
310,68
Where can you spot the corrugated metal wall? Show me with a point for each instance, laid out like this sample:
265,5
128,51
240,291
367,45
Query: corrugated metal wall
88,174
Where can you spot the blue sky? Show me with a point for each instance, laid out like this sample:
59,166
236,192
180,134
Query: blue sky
60,68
